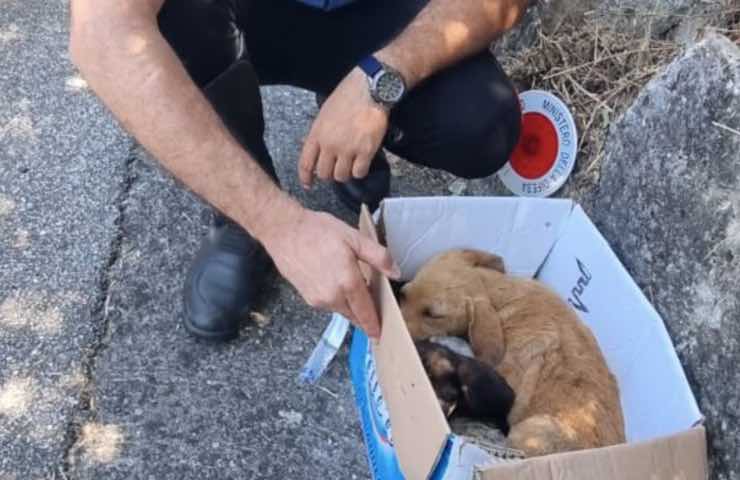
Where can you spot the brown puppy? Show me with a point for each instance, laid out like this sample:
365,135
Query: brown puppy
566,397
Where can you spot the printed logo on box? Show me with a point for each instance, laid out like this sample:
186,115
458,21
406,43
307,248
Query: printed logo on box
576,294
380,417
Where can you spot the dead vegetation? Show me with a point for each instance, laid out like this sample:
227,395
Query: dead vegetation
598,71
729,24
597,66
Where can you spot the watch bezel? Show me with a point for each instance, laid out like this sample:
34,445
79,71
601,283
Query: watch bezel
375,90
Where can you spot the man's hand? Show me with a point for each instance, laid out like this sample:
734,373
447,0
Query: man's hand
319,254
346,134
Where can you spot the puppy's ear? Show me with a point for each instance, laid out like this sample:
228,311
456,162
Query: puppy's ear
485,332
477,258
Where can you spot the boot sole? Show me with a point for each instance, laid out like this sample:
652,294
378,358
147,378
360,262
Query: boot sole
208,335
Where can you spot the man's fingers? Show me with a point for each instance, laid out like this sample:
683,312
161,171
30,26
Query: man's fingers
361,165
307,163
377,256
361,304
325,167
343,169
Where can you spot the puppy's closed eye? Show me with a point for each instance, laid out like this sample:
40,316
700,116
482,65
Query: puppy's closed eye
431,312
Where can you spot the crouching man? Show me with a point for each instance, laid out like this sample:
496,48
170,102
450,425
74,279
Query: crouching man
412,76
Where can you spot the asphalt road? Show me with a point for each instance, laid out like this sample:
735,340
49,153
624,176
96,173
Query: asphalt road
97,377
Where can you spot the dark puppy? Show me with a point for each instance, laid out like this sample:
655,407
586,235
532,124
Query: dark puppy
396,286
466,387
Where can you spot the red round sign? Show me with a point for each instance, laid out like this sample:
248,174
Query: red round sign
547,148
537,150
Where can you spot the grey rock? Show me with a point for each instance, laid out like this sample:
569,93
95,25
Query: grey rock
668,203
62,167
524,34
655,18
682,20
458,187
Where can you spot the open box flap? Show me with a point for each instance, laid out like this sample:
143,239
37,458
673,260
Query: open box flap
680,456
420,432
656,397
521,230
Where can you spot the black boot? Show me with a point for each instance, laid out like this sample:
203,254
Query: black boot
369,190
225,277
223,281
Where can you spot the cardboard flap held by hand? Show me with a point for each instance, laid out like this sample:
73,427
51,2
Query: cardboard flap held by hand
420,432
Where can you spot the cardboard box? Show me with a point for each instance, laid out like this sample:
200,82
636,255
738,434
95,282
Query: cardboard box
406,434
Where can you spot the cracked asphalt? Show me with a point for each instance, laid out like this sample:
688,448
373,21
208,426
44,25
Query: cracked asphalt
97,377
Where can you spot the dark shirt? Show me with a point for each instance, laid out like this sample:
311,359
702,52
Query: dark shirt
326,4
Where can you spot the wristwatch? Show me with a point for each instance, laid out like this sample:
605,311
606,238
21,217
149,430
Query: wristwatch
387,86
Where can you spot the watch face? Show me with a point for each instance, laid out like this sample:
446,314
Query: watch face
389,87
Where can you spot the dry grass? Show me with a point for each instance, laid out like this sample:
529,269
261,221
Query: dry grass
598,72
261,320
729,23
596,69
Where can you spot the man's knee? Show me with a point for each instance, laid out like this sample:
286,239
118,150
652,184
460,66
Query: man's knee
486,141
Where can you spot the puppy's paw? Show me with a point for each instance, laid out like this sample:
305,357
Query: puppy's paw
541,435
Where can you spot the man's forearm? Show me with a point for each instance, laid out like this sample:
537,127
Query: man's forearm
447,31
138,76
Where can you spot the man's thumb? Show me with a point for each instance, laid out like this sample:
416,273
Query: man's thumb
377,256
